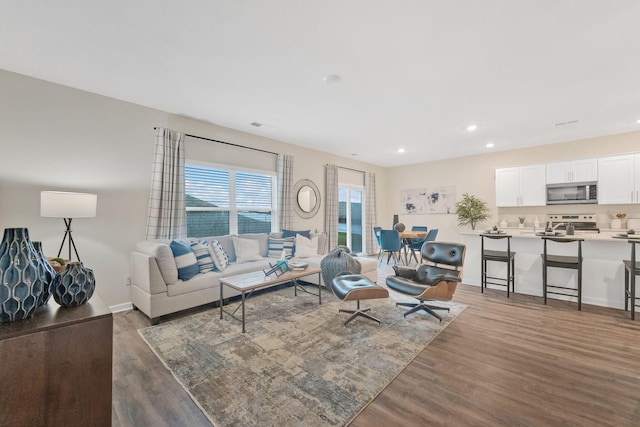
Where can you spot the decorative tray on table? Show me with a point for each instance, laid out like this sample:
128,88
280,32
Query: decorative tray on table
627,236
494,231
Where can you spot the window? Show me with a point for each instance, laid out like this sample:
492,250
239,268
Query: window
222,200
350,217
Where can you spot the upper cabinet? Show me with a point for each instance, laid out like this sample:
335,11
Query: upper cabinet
521,186
619,179
573,171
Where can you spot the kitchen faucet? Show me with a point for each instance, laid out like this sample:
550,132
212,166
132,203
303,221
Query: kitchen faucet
550,228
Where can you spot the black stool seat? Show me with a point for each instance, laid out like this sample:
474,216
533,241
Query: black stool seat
562,261
508,257
503,256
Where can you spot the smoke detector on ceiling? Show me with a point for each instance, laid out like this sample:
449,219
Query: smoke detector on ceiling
331,79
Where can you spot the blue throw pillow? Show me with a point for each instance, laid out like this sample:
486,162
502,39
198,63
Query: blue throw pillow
292,233
185,260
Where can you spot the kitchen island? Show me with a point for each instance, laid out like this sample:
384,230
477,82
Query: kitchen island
602,268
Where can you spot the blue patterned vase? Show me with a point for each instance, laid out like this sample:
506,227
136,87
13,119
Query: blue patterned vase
21,283
74,285
47,273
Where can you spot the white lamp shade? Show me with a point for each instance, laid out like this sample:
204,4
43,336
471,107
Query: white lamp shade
61,204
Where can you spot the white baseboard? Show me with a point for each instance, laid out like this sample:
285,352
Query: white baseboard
121,307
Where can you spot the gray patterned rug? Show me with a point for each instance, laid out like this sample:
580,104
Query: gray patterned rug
297,364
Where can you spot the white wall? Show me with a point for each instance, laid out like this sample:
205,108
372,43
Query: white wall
58,138
475,175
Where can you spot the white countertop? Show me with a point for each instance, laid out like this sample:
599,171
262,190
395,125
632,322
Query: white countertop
528,232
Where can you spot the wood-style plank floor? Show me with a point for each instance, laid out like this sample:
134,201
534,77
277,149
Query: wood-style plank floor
502,362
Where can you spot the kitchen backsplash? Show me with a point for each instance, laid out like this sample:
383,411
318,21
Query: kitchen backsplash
604,213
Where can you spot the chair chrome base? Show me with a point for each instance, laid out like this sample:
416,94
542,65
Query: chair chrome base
422,306
359,313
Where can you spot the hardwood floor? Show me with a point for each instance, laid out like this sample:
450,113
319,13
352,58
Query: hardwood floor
502,362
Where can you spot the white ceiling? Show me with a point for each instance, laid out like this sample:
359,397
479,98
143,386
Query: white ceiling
414,73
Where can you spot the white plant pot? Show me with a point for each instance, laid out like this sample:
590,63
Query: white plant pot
616,224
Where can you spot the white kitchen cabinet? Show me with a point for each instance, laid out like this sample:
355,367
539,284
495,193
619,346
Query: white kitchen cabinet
521,186
584,170
619,179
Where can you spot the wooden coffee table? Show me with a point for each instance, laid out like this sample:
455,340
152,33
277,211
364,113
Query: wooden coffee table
249,282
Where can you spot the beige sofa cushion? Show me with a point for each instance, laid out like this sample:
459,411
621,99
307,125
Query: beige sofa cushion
164,257
196,283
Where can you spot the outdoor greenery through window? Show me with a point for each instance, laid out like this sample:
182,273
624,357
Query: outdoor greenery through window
227,201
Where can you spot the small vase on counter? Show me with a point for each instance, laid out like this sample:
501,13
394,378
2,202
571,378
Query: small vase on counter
74,285
504,224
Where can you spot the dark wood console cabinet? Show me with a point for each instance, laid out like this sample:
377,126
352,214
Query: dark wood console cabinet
56,367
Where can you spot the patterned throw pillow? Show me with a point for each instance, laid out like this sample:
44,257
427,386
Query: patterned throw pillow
201,250
220,258
185,260
277,245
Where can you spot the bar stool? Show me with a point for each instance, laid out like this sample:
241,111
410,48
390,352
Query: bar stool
562,261
507,257
631,270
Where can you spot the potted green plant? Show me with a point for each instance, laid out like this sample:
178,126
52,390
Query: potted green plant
471,210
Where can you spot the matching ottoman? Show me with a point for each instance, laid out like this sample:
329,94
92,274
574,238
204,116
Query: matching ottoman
356,287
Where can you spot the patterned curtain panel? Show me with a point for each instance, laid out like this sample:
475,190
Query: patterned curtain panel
167,215
370,218
331,206
285,188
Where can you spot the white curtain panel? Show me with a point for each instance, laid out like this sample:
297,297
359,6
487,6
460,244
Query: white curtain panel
370,218
331,206
285,189
167,215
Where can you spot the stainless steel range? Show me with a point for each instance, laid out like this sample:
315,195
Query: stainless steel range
581,222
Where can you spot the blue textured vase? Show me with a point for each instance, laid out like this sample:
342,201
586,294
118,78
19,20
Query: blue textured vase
47,273
74,285
21,283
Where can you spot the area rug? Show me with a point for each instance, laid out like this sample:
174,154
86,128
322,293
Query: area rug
297,364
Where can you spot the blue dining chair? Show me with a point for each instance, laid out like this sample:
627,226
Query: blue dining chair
417,245
390,242
376,232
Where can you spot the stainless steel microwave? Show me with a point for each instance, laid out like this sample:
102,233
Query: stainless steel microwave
573,193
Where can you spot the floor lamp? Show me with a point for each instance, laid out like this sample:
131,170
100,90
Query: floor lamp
65,205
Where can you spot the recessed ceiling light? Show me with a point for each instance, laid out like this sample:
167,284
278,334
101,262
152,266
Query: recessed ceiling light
490,145
471,128
331,79
256,124
400,150
354,154
638,121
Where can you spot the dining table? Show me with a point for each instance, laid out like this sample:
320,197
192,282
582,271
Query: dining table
406,237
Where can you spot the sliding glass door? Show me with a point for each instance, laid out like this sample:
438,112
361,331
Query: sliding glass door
350,202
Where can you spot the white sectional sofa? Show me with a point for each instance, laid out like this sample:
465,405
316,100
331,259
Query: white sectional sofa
157,291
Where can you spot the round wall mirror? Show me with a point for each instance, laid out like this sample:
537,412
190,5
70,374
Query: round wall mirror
307,198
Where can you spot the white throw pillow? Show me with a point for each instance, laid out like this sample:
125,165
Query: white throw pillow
306,247
246,250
